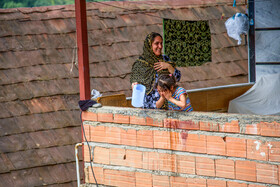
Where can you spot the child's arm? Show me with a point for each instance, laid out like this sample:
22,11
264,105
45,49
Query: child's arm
180,103
160,102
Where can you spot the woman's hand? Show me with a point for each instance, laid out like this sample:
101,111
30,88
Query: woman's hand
133,84
164,65
161,65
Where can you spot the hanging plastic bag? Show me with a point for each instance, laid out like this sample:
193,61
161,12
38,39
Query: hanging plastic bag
95,94
237,25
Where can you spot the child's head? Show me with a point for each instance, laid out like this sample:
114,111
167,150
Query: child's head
166,82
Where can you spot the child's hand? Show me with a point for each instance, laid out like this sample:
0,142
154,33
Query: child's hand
167,94
161,95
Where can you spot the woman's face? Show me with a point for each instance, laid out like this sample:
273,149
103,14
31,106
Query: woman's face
157,45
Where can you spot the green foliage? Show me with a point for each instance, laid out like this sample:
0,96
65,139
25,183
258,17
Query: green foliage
53,2
12,4
37,3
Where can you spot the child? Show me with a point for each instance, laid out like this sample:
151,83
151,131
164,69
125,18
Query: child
176,96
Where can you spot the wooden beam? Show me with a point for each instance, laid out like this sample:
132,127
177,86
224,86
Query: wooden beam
82,44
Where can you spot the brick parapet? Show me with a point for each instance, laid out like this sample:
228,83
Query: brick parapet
196,147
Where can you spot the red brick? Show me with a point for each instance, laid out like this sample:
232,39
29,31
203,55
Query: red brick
105,117
176,142
87,132
279,174
225,168
89,116
245,170
205,166
128,137
145,160
188,125
274,151
123,119
216,145
170,123
137,120
98,134
134,158
178,182
270,129
101,155
208,126
254,129
256,149
98,173
196,182
167,162
145,138
113,135
267,173
236,147
151,160
232,127
160,181
236,184
176,124
162,139
119,178
185,164
143,179
117,156
196,143
216,183
154,122
86,153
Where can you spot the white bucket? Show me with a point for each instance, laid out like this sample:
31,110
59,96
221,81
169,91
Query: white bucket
138,95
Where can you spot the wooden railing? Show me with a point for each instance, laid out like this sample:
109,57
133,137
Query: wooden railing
214,99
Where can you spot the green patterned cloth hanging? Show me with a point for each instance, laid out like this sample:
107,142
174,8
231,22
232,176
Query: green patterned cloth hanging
187,43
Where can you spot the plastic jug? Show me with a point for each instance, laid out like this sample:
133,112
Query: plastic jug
138,95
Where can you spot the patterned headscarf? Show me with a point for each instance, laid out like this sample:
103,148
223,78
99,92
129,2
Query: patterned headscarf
143,70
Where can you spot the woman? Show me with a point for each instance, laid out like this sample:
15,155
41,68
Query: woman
149,66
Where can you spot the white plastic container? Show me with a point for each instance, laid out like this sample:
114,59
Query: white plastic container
138,95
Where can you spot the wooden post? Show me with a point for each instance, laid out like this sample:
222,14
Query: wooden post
83,59
82,43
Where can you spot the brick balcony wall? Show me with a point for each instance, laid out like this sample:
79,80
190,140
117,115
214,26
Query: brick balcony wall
137,147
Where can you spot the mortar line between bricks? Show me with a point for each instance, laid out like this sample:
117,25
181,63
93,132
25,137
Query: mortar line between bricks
215,171
195,165
241,123
194,116
198,132
168,173
168,151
